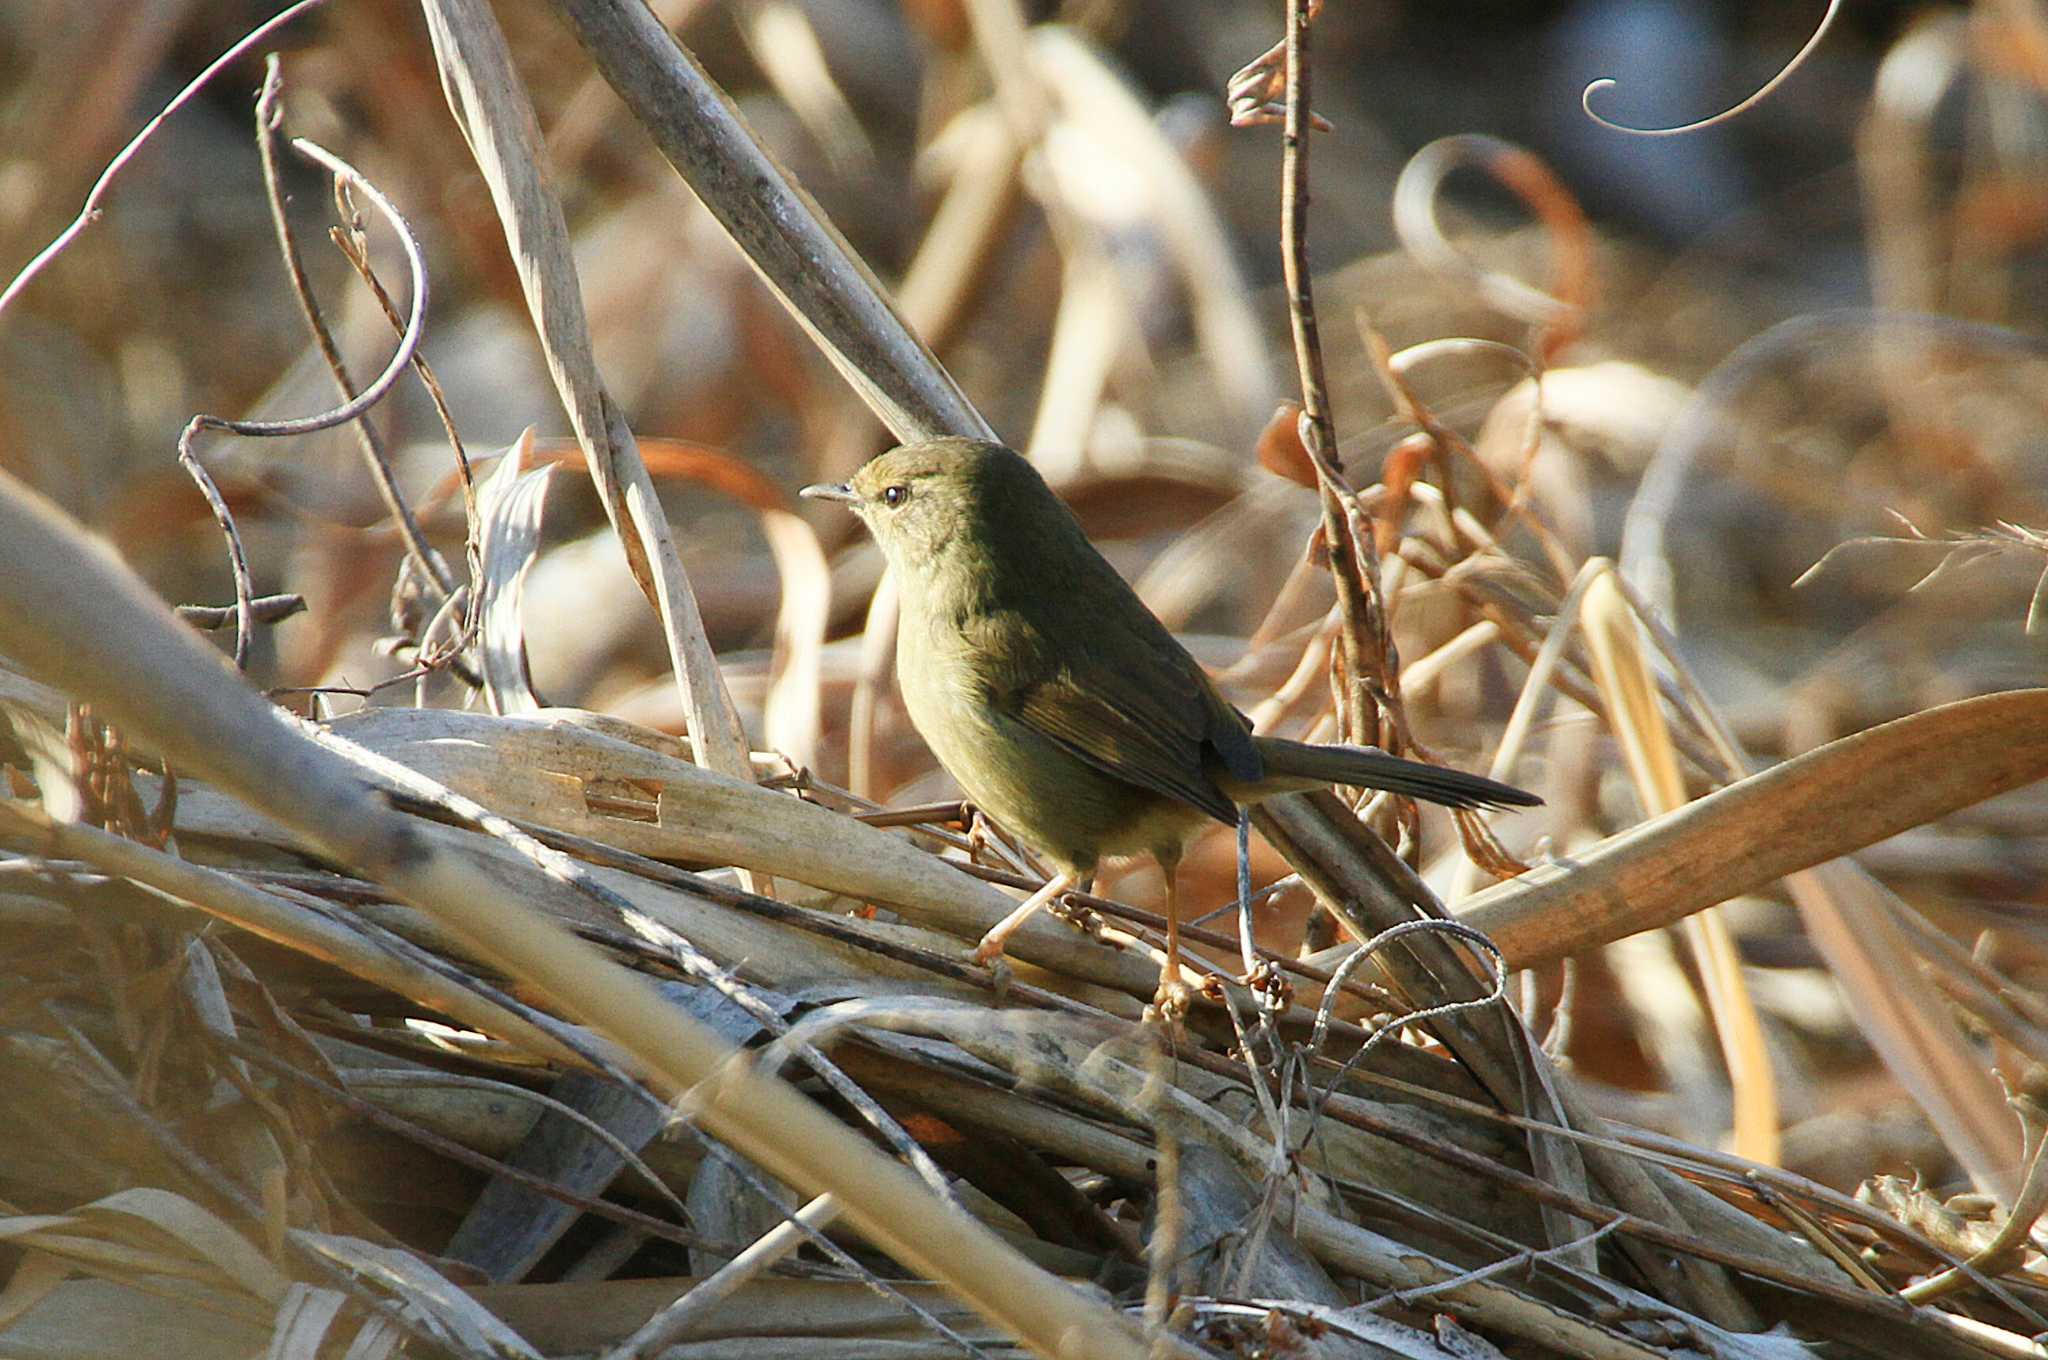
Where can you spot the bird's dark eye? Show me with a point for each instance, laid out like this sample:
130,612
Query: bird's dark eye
895,496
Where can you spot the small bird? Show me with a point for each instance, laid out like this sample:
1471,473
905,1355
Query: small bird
1059,702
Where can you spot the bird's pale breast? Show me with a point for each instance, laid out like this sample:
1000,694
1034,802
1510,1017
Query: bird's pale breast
1060,805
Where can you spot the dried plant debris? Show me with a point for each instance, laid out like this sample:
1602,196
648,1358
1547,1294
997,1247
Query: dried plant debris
568,950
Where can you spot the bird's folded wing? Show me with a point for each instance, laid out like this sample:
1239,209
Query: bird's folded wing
1151,720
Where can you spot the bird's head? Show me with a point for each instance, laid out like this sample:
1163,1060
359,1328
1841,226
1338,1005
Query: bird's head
927,503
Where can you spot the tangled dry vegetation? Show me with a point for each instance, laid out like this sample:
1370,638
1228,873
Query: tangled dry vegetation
394,1007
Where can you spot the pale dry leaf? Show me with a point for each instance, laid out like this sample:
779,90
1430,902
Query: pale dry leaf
510,504
49,760
200,1230
444,1309
305,1316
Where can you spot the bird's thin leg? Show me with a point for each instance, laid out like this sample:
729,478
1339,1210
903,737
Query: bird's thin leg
1172,926
992,944
1173,993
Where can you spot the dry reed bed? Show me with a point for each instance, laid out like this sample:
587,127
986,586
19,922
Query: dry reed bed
535,994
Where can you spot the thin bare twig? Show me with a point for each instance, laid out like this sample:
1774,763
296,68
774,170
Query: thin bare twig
238,559
90,213
238,556
350,242
1498,989
1367,654
1521,1260
671,1323
268,119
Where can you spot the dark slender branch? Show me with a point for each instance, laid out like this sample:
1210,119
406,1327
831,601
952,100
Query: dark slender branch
238,559
408,342
367,439
90,213
238,556
1354,568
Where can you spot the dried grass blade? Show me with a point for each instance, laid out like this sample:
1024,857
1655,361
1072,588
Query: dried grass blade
200,1231
1829,802
449,1313
688,1311
36,1275
496,117
1848,916
274,918
49,759
803,258
510,506
781,38
1091,334
588,1317
304,1318
173,1320
1623,674
877,661
982,160
1092,95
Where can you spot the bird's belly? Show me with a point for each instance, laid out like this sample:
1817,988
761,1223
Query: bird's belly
1060,805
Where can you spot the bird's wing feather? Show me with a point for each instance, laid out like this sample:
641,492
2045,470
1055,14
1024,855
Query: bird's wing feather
1151,719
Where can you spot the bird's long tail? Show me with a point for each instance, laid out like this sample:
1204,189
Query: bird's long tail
1300,765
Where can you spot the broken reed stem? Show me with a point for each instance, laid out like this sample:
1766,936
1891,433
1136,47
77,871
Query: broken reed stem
1354,569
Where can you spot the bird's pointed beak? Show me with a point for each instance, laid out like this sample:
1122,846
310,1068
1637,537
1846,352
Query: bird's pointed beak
831,491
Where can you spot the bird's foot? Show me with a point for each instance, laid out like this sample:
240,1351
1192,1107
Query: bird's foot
979,835
1172,1001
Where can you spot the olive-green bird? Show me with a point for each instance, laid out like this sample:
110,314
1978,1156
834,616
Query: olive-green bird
1066,710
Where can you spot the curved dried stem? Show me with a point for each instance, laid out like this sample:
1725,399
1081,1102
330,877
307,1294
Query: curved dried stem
92,210
1762,93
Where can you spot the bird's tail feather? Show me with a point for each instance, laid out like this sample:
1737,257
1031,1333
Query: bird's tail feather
1368,768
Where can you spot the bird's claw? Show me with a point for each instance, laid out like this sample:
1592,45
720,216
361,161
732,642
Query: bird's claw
1172,1001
